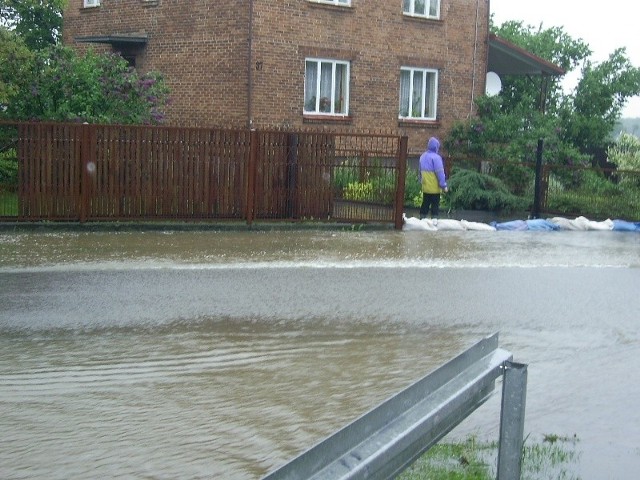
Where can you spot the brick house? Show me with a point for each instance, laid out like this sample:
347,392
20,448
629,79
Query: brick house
411,66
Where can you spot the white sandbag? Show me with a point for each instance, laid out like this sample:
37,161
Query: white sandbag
448,224
582,223
477,226
579,223
413,223
593,225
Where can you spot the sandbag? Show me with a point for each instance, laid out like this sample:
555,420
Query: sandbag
582,223
592,225
565,223
512,225
413,223
541,224
448,224
477,226
625,226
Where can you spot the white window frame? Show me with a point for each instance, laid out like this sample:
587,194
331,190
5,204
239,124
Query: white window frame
342,3
423,84
91,3
421,8
323,95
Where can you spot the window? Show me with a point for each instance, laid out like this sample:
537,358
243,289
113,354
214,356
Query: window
91,3
334,2
418,93
326,87
421,8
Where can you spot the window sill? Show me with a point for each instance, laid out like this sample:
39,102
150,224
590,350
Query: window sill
414,18
330,6
402,122
336,119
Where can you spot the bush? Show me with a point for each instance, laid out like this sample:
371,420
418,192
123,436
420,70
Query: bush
8,168
625,153
346,173
516,177
357,191
371,183
471,190
594,196
63,85
412,190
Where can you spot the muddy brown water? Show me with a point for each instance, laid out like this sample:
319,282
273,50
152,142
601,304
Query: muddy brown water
224,354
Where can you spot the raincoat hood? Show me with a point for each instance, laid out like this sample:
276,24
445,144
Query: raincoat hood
433,145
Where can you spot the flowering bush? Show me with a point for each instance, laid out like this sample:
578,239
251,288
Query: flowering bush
95,88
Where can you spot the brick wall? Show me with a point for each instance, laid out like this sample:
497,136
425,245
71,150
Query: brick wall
201,47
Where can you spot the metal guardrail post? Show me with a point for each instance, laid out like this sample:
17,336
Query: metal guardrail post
389,438
514,393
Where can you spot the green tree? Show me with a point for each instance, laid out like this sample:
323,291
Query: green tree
15,61
554,45
590,115
37,22
63,85
572,125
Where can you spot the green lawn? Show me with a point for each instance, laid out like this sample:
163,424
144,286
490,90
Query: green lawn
471,459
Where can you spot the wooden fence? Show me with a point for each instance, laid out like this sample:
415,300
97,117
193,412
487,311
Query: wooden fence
79,172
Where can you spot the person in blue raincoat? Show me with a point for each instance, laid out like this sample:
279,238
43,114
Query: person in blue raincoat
432,178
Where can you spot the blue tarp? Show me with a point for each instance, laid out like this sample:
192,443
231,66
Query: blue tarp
624,226
540,224
511,225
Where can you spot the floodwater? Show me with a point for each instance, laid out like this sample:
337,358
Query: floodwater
221,354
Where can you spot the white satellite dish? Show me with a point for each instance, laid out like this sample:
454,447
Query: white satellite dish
493,84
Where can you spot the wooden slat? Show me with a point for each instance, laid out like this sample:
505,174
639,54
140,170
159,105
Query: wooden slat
172,172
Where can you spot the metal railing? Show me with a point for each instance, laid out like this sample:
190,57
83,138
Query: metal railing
389,438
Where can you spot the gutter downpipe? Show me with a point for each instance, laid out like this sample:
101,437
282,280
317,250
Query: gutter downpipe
250,69
475,54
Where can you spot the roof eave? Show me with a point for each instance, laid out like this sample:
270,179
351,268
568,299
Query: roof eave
506,58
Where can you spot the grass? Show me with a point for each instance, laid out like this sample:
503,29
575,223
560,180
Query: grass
551,458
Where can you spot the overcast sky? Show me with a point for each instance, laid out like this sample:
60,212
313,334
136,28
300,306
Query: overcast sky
604,26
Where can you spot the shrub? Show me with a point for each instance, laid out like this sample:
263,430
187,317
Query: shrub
594,196
478,191
358,191
412,190
625,153
346,173
516,177
8,168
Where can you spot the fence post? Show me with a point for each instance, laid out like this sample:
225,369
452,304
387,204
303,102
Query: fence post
87,169
514,394
251,175
292,175
402,173
536,194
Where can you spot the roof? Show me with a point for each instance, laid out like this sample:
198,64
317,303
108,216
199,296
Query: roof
506,58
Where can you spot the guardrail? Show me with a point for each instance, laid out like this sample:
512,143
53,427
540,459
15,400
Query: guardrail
389,438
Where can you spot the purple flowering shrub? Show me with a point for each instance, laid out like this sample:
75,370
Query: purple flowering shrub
92,87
